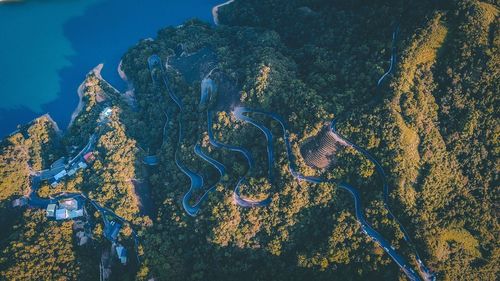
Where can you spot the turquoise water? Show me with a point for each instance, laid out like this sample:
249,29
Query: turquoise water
48,46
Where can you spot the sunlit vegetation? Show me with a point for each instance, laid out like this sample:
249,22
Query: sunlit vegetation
432,124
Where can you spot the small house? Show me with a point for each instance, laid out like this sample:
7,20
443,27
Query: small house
112,230
54,183
107,112
62,214
69,203
89,157
51,210
65,214
76,213
121,252
71,172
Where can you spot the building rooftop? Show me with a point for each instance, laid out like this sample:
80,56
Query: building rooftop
62,214
89,157
65,214
112,230
51,210
121,252
69,203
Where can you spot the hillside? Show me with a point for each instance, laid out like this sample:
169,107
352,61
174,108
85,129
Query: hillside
296,140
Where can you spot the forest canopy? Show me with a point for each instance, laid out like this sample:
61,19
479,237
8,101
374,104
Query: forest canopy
431,124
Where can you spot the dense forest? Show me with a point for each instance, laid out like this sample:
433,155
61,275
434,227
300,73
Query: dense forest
431,122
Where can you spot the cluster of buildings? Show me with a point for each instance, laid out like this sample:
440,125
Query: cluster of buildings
73,168
80,162
65,209
72,209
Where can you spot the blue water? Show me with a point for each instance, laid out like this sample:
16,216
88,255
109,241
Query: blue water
48,46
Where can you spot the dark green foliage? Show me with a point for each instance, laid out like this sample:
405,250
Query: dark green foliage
433,125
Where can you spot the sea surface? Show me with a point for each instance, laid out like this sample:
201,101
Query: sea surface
48,46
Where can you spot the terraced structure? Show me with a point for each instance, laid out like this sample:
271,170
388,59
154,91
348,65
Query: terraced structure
319,152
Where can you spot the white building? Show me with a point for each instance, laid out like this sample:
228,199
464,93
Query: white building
71,172
65,214
51,210
66,209
60,175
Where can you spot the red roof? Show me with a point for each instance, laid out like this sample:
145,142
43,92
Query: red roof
89,157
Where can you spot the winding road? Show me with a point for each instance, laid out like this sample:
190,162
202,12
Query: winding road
196,180
239,113
238,199
35,201
365,226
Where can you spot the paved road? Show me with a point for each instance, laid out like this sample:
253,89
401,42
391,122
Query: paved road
365,226
239,113
87,148
193,210
50,173
426,272
35,201
393,57
195,178
238,199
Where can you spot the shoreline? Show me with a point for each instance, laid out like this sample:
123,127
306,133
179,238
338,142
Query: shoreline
97,72
79,107
54,123
129,94
215,11
80,91
58,95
